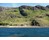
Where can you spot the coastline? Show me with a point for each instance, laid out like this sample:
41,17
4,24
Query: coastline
24,26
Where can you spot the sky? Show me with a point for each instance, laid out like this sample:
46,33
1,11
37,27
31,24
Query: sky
20,4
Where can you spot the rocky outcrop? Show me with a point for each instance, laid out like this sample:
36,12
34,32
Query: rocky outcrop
40,7
1,8
22,11
35,7
47,6
26,7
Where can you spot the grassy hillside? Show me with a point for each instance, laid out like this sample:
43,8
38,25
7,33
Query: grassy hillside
25,15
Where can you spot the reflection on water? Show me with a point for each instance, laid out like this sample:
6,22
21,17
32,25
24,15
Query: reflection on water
24,32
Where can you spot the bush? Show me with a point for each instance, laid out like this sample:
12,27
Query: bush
4,24
12,15
47,15
15,10
35,23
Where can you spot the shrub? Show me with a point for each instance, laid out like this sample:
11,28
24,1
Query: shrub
35,23
4,24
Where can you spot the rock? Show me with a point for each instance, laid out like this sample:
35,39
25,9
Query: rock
34,8
1,8
22,11
25,7
47,6
40,7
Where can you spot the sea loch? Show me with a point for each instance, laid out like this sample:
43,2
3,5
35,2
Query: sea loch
24,32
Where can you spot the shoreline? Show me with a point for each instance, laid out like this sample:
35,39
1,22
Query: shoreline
24,26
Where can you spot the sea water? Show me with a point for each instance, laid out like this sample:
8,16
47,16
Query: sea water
24,32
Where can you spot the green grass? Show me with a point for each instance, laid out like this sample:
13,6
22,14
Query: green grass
13,17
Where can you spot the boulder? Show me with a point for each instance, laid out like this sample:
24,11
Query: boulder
40,7
22,11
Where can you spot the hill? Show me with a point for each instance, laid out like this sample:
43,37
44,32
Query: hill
25,15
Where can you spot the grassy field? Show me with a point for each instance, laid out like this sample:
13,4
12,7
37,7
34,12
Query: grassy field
24,15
